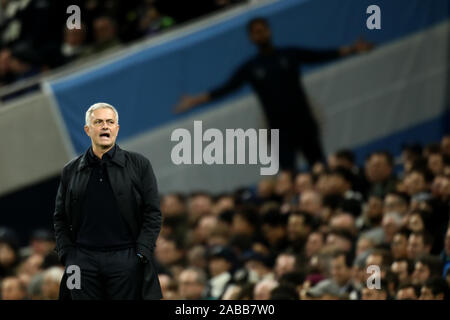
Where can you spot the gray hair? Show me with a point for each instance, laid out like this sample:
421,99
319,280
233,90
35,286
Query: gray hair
99,105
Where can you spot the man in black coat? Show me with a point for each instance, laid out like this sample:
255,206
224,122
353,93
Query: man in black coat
107,217
274,75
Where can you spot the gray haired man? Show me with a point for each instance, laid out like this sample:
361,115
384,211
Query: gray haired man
107,217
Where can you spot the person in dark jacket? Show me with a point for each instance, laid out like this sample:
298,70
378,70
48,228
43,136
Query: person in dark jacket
275,76
107,217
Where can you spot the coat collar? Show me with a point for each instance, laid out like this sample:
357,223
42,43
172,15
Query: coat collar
118,158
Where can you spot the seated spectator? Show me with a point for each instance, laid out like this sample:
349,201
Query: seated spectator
379,173
300,225
284,292
399,244
303,182
17,65
434,289
13,289
418,243
105,35
51,282
407,291
310,201
403,268
375,293
286,262
339,284
199,204
425,267
34,289
153,21
9,252
417,183
314,244
263,289
220,266
73,46
192,284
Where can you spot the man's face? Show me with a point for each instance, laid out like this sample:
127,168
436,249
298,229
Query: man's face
260,34
373,294
401,269
218,265
338,242
296,227
421,273
104,30
339,270
311,202
374,260
378,168
303,182
415,246
406,294
314,243
415,183
427,294
398,246
50,289
103,128
12,289
436,163
167,252
337,184
172,206
393,203
285,263
75,37
189,287
284,183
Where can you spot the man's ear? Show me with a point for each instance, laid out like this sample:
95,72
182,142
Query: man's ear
86,129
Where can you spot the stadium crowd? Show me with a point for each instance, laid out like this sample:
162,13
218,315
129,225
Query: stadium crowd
302,235
34,37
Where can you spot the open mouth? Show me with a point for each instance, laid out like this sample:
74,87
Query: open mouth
103,135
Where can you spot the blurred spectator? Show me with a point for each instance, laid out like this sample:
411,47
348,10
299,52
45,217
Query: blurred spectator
35,287
434,289
403,268
105,35
152,21
426,267
51,282
379,173
192,283
418,243
263,289
339,285
375,294
220,265
9,252
13,289
73,46
407,291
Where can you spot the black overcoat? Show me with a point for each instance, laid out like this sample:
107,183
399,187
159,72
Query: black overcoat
134,185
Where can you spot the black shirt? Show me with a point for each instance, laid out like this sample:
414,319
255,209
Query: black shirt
276,79
102,226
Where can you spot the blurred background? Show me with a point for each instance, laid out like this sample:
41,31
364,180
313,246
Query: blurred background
229,232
